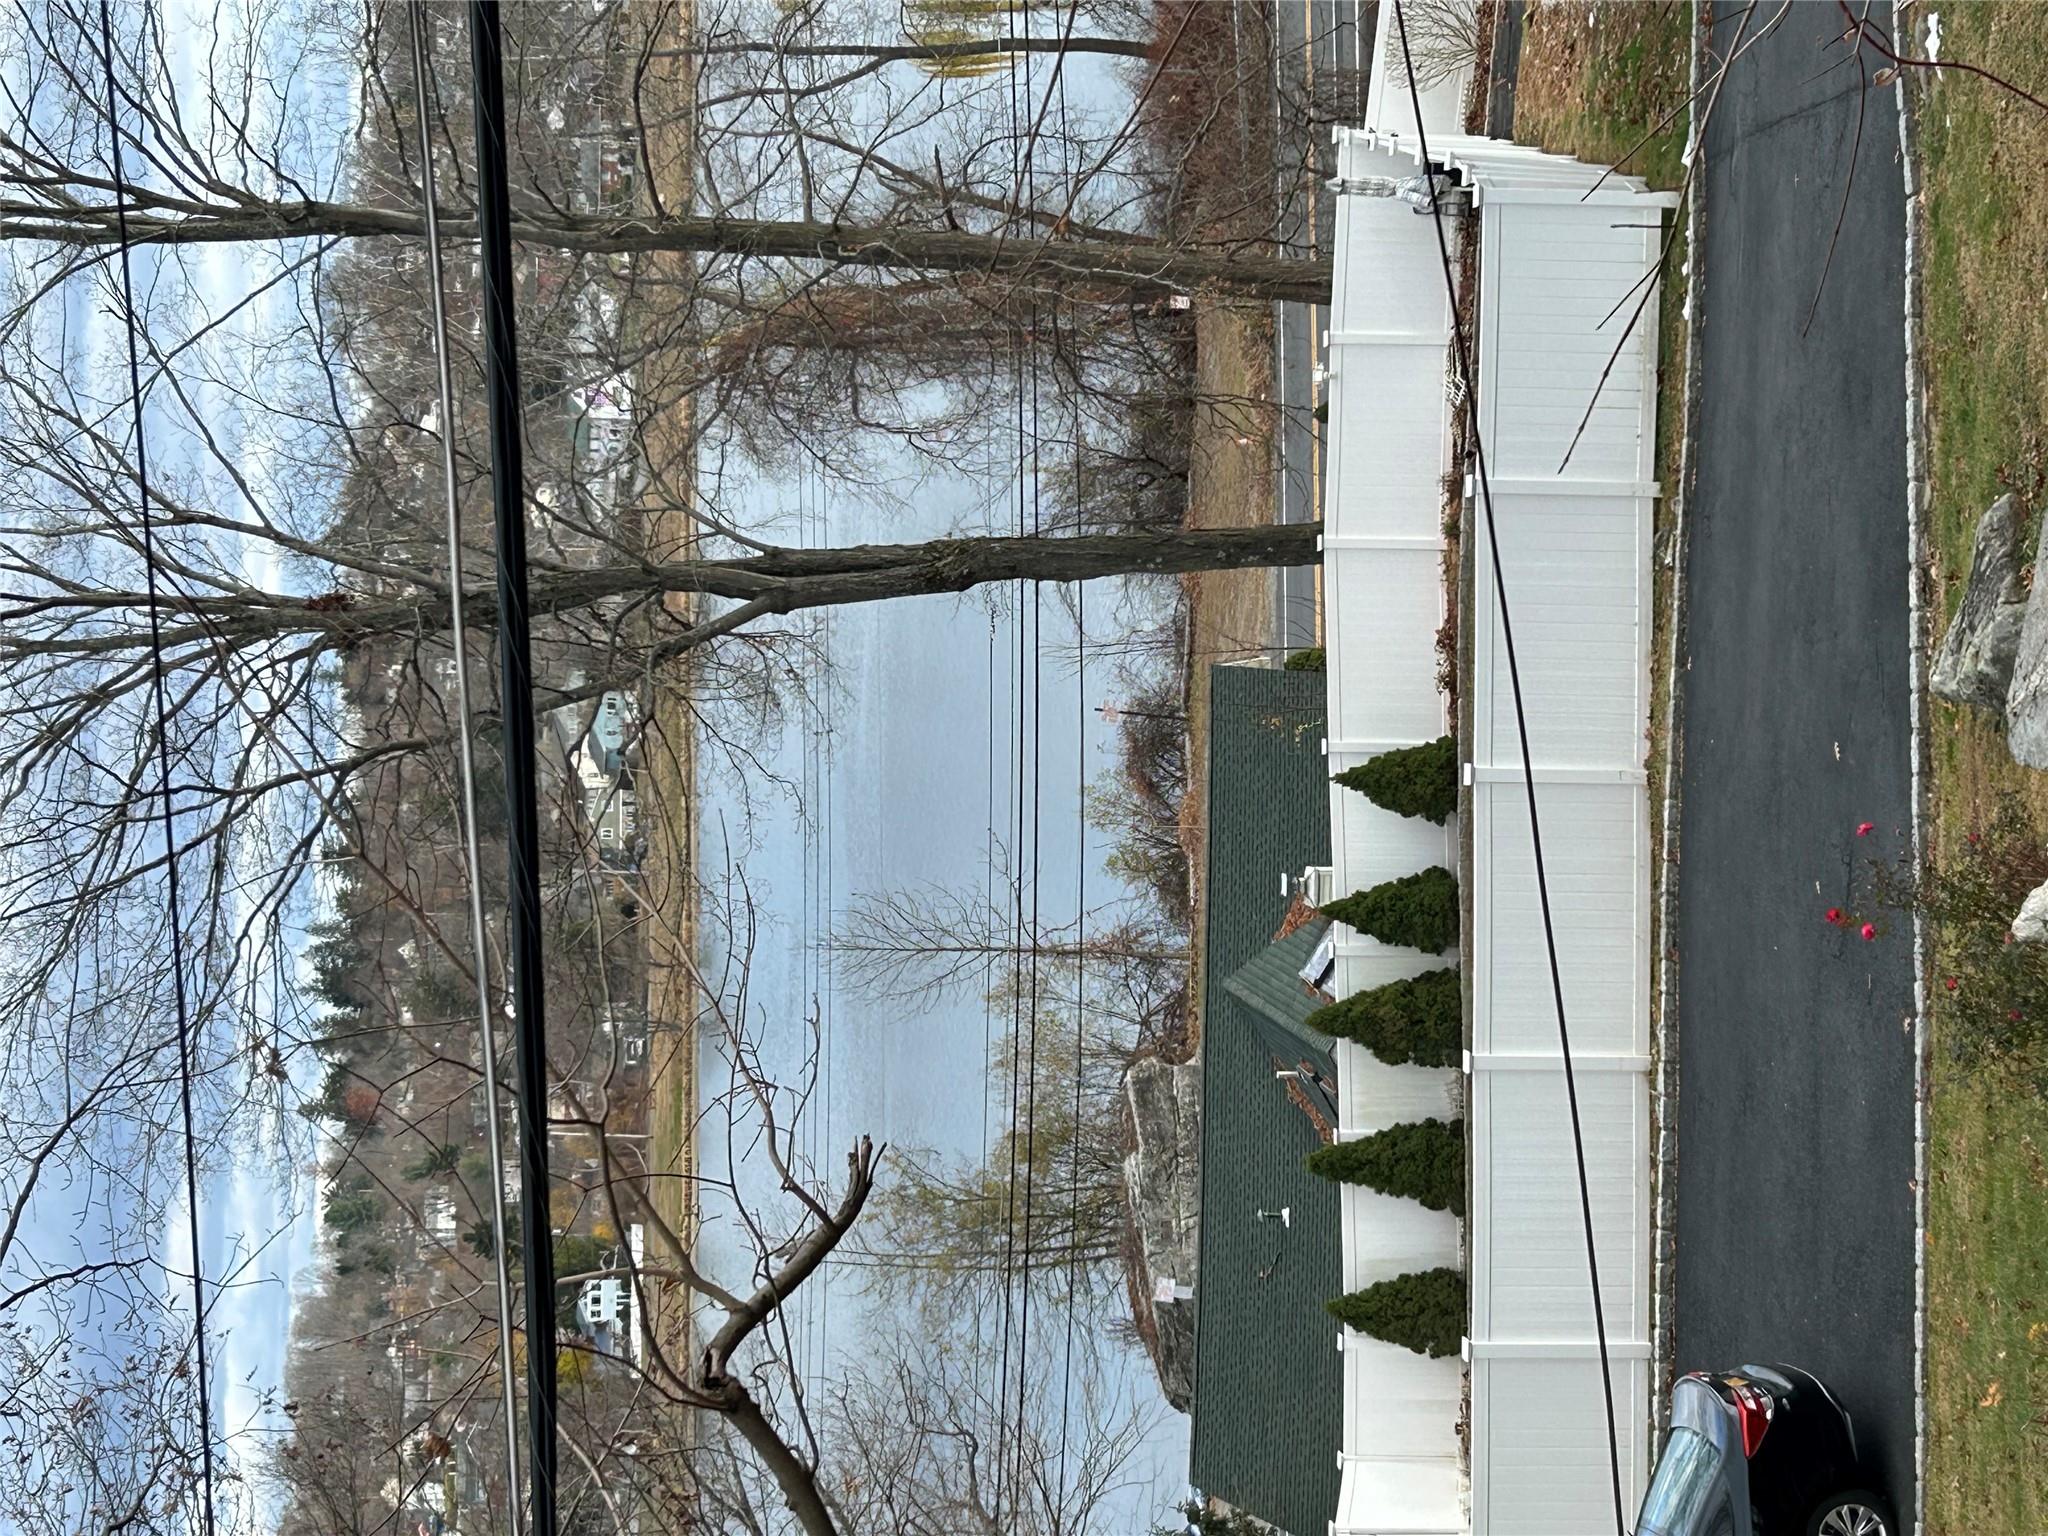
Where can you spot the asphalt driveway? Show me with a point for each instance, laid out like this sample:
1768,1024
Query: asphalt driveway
1795,1115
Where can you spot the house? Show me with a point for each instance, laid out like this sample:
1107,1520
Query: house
437,1214
602,1304
1267,1403
612,727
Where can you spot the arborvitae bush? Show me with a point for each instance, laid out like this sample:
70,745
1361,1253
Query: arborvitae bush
1410,781
1420,1020
1419,911
1423,1160
1309,659
1424,1311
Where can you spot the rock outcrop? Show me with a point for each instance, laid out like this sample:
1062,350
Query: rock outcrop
1975,662
1163,1183
2026,701
2030,926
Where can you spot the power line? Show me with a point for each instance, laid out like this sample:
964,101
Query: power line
1004,1456
163,745
1037,849
1080,866
487,1033
1507,628
515,663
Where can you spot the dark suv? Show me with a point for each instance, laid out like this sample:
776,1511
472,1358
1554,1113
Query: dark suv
1760,1451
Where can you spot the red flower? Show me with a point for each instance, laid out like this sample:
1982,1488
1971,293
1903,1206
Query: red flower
1834,915
1865,828
1973,837
1951,983
2015,1013
1869,931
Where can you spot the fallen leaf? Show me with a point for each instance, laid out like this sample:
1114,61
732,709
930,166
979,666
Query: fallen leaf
2036,1332
1993,1395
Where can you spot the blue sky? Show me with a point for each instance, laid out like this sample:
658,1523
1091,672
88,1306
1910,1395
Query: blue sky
897,781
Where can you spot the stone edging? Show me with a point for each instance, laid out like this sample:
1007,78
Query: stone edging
1904,27
1664,1091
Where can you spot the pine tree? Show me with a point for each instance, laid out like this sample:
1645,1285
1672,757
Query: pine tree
1410,781
1420,1020
1423,1160
1418,910
436,1160
1423,1311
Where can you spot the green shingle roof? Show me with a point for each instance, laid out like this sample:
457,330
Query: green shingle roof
1268,1411
1270,985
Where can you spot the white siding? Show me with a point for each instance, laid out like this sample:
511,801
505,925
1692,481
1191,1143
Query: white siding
1395,1477
1406,1236
1372,1095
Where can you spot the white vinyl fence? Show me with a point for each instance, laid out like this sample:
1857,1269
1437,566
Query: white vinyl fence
1383,584
1562,255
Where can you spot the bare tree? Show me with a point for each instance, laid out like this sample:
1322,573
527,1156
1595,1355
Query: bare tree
899,946
753,252
928,1443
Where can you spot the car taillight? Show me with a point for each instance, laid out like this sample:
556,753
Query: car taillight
1753,1410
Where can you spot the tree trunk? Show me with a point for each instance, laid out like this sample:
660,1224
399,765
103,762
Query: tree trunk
1139,268
778,581
789,579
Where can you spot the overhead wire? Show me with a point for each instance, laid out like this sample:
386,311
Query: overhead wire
417,23
173,892
1035,863
1080,860
1014,900
515,661
829,961
1009,1455
1471,393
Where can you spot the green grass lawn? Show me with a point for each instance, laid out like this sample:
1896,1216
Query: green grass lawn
1986,296
1599,81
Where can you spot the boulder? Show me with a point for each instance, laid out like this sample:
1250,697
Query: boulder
2026,701
1163,1183
1975,662
2031,925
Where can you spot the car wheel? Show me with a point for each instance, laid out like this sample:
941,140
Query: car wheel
1859,1512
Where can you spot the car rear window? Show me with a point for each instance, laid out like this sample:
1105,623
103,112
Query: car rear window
1686,1484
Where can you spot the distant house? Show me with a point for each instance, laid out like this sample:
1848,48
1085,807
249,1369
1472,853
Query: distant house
604,1312
609,730
627,1026
602,1303
437,1211
1268,1392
